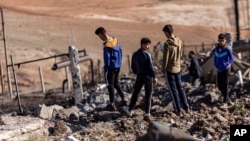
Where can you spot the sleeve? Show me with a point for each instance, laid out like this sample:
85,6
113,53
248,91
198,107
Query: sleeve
230,57
165,57
133,64
106,56
151,66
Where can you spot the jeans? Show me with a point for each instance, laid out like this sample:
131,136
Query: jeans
176,90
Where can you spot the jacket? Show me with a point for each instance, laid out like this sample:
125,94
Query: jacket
195,69
172,52
223,58
112,53
142,63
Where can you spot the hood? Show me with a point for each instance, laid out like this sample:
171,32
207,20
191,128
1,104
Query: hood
174,41
112,43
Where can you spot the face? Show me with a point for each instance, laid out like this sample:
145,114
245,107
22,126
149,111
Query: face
146,46
102,36
222,42
167,34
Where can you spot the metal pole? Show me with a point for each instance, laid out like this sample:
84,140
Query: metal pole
248,15
236,10
17,90
6,53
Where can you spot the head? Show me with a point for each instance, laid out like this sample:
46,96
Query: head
191,54
101,32
145,43
168,30
222,40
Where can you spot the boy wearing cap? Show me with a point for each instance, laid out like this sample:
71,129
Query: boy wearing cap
223,58
112,54
171,67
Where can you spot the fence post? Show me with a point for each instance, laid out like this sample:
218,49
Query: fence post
9,84
99,70
76,75
129,69
203,46
1,77
41,79
17,90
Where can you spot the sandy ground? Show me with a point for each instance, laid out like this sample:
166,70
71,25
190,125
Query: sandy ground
38,29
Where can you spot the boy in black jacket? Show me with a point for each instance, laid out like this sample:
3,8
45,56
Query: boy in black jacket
143,67
195,70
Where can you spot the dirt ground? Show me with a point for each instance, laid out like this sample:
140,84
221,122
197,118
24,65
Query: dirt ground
40,29
45,28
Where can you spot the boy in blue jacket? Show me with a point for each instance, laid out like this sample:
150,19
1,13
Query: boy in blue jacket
112,54
223,58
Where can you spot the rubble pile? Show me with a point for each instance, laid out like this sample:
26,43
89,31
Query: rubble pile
90,120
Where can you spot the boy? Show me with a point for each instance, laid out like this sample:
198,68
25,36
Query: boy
143,67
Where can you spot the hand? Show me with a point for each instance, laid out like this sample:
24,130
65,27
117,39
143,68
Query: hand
155,80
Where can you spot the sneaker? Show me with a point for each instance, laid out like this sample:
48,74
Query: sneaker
147,117
111,107
187,111
123,103
230,103
224,106
126,110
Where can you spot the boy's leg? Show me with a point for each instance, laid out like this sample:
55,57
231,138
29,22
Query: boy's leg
137,88
148,93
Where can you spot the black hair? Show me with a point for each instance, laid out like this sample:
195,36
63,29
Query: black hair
168,28
100,30
192,52
145,41
221,36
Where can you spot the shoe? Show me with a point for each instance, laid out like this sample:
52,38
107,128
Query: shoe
224,106
123,103
111,107
126,110
187,111
230,103
147,117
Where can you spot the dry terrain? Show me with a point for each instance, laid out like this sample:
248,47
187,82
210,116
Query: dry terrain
45,28
37,29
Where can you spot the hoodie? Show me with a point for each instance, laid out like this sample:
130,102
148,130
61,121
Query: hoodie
223,58
172,52
112,53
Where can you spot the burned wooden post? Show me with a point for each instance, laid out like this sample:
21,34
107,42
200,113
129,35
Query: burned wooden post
76,74
1,78
41,79
17,90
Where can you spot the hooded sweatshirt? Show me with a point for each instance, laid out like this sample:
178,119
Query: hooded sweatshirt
172,53
112,53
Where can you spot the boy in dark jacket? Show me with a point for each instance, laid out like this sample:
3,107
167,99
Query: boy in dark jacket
223,58
195,70
143,67
112,54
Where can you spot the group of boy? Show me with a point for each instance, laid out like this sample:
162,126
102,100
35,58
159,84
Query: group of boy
142,66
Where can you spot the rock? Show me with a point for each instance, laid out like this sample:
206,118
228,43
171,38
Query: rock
61,128
159,132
